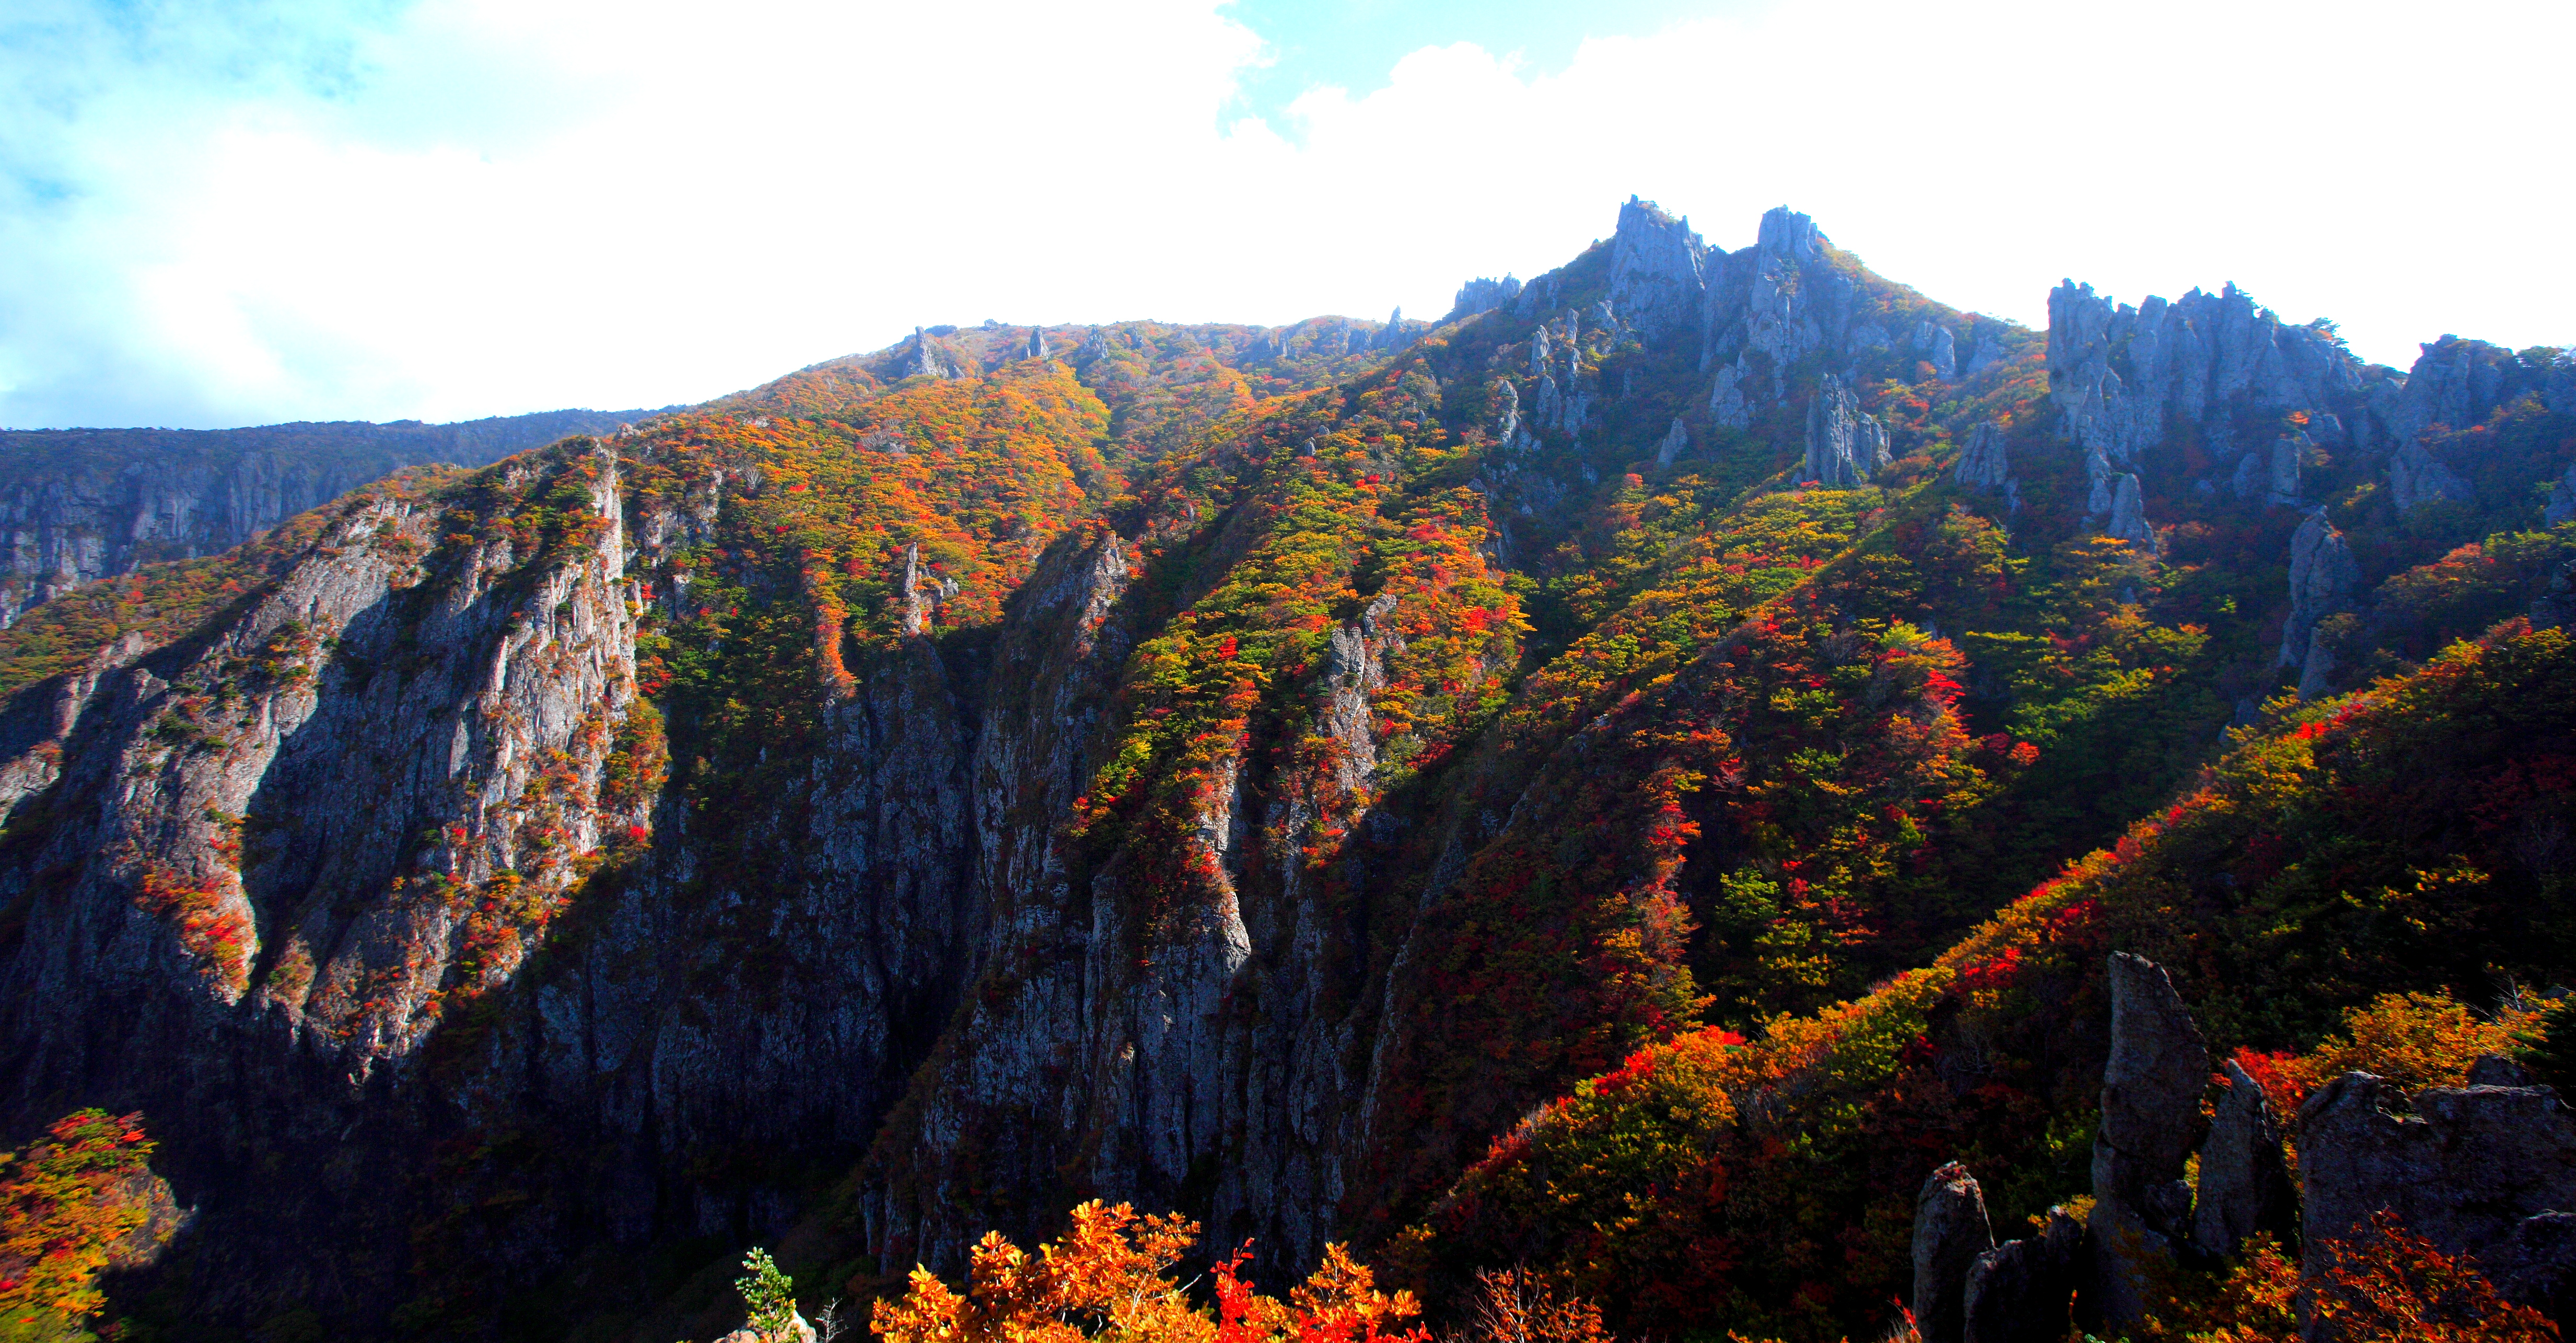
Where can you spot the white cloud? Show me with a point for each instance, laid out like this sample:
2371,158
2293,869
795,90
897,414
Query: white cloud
477,207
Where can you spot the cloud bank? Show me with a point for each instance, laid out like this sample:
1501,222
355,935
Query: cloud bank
463,207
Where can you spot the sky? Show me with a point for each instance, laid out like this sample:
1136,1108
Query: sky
226,212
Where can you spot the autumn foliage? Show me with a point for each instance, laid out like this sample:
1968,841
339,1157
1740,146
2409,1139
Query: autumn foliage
1108,1278
68,1204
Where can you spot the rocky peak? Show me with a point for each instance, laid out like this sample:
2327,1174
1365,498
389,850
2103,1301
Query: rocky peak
1484,294
1769,306
1656,280
921,358
2123,376
1788,234
1037,346
2459,383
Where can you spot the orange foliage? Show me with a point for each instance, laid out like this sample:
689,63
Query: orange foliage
1107,1277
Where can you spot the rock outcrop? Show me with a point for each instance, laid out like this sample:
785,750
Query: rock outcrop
1950,1235
919,358
2323,577
2562,500
2417,477
1656,279
2245,1184
1984,462
1772,304
2485,1171
2457,384
2126,520
1675,441
2151,1089
1845,446
1484,294
2123,376
2024,1291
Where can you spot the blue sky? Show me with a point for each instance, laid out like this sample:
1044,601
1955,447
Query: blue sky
1354,44
224,213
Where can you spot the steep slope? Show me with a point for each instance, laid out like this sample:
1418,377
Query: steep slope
1234,769
2409,838
83,504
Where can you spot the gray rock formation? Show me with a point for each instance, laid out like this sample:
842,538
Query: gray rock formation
1950,1233
2252,477
1395,333
2496,1070
2538,1268
2245,1182
1656,281
1037,345
2023,1291
2281,484
1983,463
1990,353
919,358
1939,348
2457,384
2417,477
2465,1168
2562,500
1484,294
2124,376
1772,304
1844,445
2323,576
2151,1089
1675,441
2127,519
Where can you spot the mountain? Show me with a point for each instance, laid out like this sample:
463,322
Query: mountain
84,504
1580,784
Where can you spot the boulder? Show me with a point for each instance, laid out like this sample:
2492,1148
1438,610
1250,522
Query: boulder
2245,1182
1950,1233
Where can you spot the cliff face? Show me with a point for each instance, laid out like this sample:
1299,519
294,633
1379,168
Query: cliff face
1234,769
77,505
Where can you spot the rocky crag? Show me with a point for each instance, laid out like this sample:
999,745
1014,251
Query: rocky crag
1245,770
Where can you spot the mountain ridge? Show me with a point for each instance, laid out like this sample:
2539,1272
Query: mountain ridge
938,785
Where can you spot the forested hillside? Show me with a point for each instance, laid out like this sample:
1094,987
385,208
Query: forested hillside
1618,784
